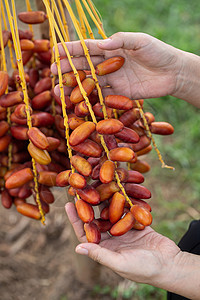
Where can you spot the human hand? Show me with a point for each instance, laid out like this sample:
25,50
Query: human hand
142,256
150,70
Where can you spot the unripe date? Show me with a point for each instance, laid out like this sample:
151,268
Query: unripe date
128,135
88,85
106,190
88,148
141,203
135,177
140,166
29,210
38,138
69,79
41,100
11,99
123,225
162,128
47,178
137,191
42,85
118,102
4,126
20,112
19,178
109,126
3,82
85,211
103,225
144,150
143,143
6,199
89,194
41,46
116,208
109,66
105,213
41,156
81,133
4,142
122,154
92,232
62,178
19,132
130,116
32,17
141,214
77,181
26,44
107,171
81,165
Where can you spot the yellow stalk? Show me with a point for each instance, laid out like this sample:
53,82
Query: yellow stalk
3,57
85,20
28,5
95,13
86,52
59,20
9,42
82,25
53,22
62,96
16,43
151,137
64,20
52,61
4,68
101,32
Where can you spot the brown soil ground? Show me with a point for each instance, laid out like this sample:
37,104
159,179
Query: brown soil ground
38,262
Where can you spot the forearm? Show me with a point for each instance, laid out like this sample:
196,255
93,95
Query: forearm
181,276
188,78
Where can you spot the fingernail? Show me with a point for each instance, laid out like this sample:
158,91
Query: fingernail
81,250
104,42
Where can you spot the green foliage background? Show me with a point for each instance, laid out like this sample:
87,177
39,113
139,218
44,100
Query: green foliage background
176,194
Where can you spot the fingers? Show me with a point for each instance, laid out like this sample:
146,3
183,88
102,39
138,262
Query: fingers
75,48
80,63
125,40
99,254
77,224
67,90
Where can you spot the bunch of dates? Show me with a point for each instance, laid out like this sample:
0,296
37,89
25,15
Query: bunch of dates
95,180
95,174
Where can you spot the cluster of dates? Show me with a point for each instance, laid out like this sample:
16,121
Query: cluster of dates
41,142
97,163
100,149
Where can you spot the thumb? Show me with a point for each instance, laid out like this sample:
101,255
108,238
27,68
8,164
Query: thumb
99,254
125,40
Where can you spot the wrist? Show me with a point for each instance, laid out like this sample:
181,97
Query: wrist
187,78
181,275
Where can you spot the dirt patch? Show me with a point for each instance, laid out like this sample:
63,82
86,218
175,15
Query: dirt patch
38,262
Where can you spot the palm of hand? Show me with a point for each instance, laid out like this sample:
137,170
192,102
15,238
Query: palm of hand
147,73
136,255
145,252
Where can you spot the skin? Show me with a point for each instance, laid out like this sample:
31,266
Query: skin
151,69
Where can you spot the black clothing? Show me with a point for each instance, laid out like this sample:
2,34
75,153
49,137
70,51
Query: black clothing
190,242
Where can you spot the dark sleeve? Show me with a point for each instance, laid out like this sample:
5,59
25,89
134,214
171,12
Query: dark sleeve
190,242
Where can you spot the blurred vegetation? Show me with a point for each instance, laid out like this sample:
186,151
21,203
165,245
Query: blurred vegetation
175,198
